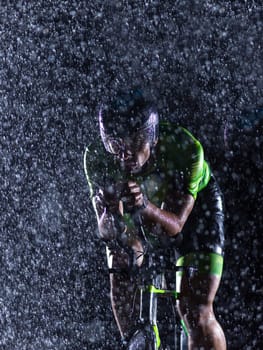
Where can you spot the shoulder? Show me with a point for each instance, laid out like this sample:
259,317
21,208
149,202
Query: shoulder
95,160
168,129
100,165
172,135
94,155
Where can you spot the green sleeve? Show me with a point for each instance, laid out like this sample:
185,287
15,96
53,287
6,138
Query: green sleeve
199,172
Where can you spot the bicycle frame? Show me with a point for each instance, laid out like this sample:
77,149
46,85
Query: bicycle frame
147,336
148,314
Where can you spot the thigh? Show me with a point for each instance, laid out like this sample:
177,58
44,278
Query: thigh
195,304
199,285
199,289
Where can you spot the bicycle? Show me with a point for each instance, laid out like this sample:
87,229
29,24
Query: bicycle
152,278
152,286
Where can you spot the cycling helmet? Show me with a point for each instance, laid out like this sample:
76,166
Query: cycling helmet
130,114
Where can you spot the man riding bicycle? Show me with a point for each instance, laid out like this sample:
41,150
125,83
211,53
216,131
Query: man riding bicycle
153,191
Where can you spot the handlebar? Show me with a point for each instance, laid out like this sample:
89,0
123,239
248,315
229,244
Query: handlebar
152,271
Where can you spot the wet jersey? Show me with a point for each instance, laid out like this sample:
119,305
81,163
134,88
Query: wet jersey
176,164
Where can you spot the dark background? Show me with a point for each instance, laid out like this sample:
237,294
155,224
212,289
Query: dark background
202,62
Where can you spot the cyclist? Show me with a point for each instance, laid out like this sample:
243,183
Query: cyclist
153,185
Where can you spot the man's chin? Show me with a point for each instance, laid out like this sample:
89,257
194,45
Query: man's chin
131,168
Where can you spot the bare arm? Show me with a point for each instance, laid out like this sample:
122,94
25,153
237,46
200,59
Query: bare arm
108,217
169,221
111,226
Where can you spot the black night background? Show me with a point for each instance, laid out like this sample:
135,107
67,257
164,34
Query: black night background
202,62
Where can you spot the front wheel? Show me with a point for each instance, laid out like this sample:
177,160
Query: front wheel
143,339
183,340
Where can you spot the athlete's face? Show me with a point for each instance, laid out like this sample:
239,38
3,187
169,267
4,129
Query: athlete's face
133,152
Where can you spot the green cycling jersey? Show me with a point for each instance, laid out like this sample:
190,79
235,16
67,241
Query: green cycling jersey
176,164
177,161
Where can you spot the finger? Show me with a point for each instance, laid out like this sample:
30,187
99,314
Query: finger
121,207
132,183
139,199
135,189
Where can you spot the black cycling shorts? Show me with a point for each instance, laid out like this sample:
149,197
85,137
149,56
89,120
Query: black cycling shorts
204,229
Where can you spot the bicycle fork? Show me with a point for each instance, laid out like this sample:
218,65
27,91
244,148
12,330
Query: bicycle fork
148,318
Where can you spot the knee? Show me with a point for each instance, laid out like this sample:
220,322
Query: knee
203,316
197,316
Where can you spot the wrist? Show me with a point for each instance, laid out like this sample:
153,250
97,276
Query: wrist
144,204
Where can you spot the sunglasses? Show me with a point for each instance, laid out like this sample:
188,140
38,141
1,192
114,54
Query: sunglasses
130,146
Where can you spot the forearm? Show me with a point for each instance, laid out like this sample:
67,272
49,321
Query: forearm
125,237
110,224
168,222
122,294
164,222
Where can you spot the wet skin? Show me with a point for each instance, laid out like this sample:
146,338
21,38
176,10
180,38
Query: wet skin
132,160
205,332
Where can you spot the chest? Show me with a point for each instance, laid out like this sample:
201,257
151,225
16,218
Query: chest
161,184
